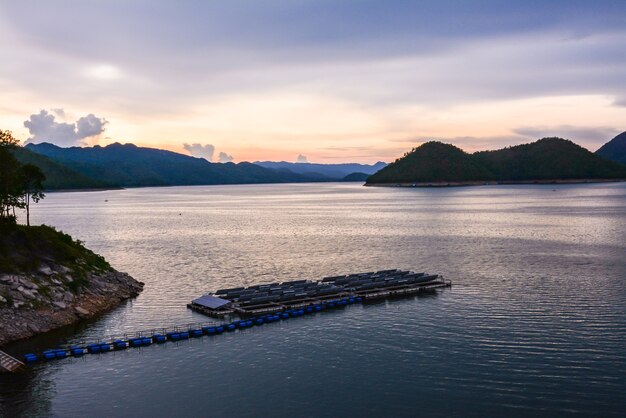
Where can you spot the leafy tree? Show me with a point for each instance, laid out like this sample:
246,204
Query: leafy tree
9,167
19,184
32,186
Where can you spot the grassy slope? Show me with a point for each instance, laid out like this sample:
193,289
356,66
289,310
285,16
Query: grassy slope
25,249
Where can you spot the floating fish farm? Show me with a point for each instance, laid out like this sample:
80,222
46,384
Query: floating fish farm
259,305
297,294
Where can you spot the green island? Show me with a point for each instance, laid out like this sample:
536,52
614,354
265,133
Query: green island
548,160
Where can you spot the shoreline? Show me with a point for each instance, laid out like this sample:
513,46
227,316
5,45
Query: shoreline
493,183
105,291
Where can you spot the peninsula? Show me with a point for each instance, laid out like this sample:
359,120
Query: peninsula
48,280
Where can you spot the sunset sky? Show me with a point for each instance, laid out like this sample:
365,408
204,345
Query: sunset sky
333,81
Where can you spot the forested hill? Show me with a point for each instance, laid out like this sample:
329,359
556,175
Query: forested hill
615,149
545,159
127,165
58,176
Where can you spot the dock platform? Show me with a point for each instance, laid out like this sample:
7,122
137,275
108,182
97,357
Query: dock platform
8,364
298,294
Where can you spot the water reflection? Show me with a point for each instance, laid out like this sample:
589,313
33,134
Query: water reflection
534,324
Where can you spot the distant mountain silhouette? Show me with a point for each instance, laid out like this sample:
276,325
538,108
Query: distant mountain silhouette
131,166
323,171
57,175
545,159
615,149
356,177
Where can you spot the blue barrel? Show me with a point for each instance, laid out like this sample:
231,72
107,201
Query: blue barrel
135,342
94,348
284,315
309,309
146,341
323,306
242,324
209,330
301,312
317,308
77,351
249,323
159,338
219,329
49,355
119,345
230,327
60,353
259,321
358,299
184,335
105,347
196,333
30,358
350,301
174,336
331,304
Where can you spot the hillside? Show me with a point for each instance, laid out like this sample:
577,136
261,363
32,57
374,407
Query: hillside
543,160
131,166
432,162
615,149
323,171
58,176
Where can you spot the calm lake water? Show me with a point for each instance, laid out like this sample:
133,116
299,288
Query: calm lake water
534,325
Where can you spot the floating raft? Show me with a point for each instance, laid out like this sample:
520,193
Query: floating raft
256,306
297,294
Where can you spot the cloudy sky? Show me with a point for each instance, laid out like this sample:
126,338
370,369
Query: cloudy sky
325,81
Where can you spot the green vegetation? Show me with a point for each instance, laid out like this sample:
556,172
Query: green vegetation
615,149
127,165
26,249
58,176
19,183
432,162
543,160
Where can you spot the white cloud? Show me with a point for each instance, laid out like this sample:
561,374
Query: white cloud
201,151
43,127
302,159
225,158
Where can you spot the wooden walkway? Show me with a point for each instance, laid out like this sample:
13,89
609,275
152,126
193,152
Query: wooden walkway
8,363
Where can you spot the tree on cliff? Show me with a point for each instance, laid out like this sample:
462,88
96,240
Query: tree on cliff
19,183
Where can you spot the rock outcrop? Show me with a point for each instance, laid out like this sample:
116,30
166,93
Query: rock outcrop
34,303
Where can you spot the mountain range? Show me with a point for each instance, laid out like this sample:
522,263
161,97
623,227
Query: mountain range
127,165
548,159
331,172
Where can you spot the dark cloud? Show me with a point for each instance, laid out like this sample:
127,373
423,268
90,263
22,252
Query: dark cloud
201,151
402,51
225,158
43,127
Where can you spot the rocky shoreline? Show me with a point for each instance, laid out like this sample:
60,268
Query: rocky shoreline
35,303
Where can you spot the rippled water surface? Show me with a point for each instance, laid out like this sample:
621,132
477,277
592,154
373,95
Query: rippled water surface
534,325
